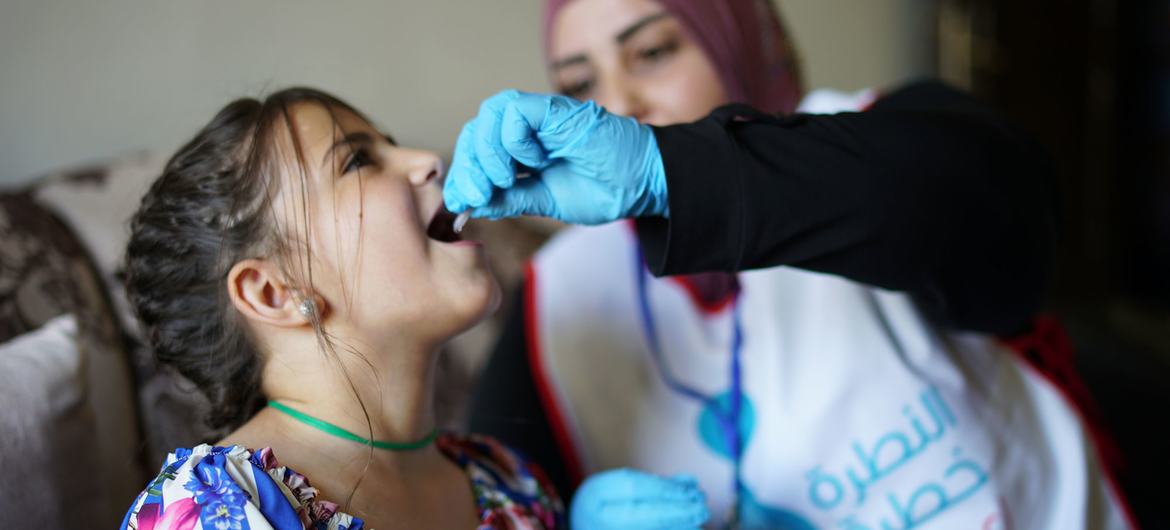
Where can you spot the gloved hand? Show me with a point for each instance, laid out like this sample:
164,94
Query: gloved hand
628,499
592,167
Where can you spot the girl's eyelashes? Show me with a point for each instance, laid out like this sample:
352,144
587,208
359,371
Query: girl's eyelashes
358,159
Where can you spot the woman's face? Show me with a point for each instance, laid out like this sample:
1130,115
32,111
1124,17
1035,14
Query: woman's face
633,58
369,204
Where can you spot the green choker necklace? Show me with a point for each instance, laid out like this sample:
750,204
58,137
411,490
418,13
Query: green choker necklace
329,428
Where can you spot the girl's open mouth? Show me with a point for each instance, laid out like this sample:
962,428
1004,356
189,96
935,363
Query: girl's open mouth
442,227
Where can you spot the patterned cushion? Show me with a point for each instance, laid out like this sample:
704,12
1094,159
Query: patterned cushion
45,272
96,202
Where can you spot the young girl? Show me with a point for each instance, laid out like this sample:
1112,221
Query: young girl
297,266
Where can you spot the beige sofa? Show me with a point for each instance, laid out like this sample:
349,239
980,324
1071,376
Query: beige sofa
85,414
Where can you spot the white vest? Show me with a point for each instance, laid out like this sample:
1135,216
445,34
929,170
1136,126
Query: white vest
857,415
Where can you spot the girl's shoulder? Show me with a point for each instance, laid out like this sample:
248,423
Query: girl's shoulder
507,485
231,488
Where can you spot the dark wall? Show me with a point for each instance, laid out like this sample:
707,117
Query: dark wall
1091,80
1143,126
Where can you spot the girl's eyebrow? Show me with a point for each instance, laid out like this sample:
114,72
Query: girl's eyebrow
359,137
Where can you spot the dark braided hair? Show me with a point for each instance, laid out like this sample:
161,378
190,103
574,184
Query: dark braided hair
211,208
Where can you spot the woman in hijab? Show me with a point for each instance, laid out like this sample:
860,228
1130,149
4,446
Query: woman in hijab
860,378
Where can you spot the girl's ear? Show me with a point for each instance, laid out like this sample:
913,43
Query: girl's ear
258,291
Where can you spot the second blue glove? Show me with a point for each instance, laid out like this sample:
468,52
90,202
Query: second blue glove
628,499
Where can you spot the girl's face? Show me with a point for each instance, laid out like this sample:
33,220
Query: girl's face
633,58
367,205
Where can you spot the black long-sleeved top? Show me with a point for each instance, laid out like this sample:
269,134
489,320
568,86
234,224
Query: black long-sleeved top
927,192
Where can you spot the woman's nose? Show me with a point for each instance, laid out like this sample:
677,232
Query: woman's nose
622,97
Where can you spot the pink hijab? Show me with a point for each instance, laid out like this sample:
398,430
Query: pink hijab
745,41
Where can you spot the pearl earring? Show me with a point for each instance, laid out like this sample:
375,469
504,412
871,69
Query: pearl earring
307,308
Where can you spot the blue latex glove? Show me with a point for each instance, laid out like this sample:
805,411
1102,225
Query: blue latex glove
593,167
628,499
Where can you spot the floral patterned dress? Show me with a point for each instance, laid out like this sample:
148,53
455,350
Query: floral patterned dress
232,488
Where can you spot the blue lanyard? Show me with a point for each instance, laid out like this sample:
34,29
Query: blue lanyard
728,420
